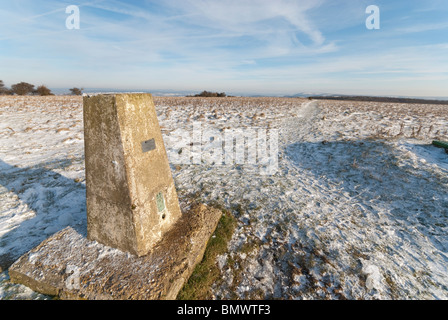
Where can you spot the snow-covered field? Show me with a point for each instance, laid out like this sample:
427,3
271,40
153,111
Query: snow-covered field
358,208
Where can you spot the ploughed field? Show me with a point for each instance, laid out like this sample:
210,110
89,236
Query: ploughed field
354,204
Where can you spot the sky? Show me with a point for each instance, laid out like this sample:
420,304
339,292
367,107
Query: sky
264,47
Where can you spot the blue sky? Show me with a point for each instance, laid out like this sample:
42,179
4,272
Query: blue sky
235,46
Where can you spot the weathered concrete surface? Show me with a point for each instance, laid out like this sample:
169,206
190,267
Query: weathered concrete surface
125,184
72,267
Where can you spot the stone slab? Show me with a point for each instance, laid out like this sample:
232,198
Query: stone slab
70,266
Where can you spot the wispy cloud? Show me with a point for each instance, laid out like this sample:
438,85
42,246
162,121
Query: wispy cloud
423,27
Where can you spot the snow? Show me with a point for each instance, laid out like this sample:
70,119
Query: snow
357,207
374,278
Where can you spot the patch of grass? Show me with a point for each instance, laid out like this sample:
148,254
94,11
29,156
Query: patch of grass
198,286
249,246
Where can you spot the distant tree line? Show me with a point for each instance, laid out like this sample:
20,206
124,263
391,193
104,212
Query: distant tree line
381,99
25,89
209,94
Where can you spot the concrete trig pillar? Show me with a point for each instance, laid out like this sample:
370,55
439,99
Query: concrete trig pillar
131,197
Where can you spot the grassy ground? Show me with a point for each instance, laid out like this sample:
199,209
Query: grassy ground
198,287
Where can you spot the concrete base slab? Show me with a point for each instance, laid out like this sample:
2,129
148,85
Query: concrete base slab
70,266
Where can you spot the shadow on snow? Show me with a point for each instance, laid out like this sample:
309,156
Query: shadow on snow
52,200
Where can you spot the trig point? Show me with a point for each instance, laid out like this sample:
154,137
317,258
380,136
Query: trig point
131,197
139,244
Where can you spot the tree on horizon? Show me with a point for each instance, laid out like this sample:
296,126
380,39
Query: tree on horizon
76,91
206,93
22,88
43,91
3,89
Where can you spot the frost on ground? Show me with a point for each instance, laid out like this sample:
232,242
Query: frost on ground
358,208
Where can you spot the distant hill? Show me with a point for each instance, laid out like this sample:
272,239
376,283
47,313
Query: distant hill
381,99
